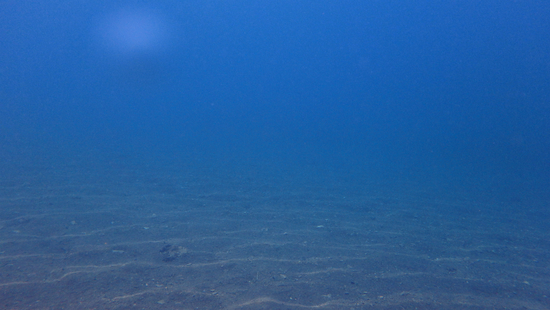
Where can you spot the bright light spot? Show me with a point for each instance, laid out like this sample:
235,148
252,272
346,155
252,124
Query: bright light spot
133,32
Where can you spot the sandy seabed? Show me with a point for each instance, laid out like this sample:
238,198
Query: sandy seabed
125,239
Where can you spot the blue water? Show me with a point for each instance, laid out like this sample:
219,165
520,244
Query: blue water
440,99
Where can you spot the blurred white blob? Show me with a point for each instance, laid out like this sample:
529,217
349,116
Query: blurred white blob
133,33
135,46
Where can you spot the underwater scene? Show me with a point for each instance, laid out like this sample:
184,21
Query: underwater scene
274,154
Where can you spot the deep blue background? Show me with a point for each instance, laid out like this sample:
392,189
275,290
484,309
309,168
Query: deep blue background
432,91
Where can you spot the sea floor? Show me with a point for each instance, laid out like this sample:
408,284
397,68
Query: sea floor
179,238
